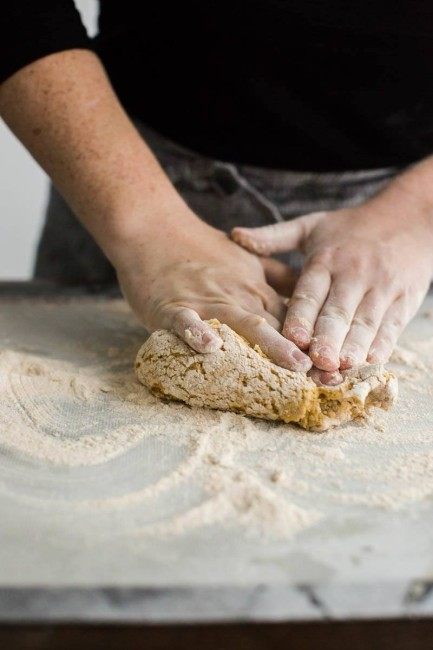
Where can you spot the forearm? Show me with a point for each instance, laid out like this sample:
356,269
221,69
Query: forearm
409,194
64,110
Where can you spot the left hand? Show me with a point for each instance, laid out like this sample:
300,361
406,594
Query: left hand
367,270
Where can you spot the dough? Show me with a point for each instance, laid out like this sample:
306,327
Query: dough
241,378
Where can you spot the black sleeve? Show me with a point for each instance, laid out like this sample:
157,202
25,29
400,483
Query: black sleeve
32,29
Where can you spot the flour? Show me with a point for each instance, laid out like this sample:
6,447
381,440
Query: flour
75,409
407,358
237,498
30,389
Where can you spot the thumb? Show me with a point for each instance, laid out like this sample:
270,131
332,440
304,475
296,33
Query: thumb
278,237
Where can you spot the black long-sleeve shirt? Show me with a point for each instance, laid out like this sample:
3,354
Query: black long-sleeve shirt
295,84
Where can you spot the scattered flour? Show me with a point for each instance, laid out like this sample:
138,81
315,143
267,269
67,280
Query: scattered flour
60,415
33,394
407,358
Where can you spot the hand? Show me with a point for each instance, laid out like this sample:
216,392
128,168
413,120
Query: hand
178,279
367,270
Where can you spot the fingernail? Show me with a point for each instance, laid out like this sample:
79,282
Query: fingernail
353,355
331,378
376,357
211,343
300,335
349,360
302,360
325,358
325,352
207,341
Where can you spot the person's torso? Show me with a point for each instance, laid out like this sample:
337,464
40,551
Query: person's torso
297,84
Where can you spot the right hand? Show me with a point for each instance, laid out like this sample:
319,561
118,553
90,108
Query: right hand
174,269
173,281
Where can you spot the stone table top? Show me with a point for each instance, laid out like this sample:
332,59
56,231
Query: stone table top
67,554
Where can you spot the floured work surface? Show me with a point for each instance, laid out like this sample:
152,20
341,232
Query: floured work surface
103,485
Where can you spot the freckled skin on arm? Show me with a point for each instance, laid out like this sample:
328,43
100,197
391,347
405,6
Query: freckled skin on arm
64,110
175,270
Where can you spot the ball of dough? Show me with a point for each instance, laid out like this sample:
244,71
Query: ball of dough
239,377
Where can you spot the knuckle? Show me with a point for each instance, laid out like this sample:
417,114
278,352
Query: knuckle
387,277
336,312
396,323
303,297
391,329
358,264
413,295
251,321
323,257
354,264
179,314
366,321
342,293
386,339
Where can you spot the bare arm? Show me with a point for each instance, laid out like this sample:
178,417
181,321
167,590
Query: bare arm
174,269
64,110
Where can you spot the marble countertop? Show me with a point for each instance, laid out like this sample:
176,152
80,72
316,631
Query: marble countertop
66,564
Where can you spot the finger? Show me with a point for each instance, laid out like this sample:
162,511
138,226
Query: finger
258,332
363,329
324,378
275,305
273,322
279,276
394,321
187,324
305,304
333,323
277,237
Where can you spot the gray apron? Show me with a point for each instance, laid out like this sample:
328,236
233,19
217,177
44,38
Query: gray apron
223,194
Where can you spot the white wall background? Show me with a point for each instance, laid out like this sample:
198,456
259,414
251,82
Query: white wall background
23,191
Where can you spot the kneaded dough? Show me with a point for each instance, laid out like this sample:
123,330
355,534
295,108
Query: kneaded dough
241,378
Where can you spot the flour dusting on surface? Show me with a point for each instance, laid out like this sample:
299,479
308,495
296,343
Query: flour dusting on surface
79,434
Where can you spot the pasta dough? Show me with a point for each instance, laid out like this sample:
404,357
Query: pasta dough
241,378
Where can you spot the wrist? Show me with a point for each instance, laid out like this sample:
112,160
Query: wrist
411,194
149,240
403,203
